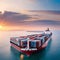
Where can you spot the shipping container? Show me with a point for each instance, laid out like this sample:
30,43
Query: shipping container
38,44
15,40
32,44
23,43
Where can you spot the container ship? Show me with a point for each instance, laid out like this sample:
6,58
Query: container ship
31,43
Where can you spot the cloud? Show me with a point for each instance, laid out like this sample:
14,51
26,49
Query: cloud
44,15
13,18
46,11
32,18
46,22
43,23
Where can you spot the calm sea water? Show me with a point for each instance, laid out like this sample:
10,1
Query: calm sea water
51,52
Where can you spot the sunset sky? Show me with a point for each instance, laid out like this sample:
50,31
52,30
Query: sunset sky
29,14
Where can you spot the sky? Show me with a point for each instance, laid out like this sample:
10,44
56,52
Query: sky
29,14
17,5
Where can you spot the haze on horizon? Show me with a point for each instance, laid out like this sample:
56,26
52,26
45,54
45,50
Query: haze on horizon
29,14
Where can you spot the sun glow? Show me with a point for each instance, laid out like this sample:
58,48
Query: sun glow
1,27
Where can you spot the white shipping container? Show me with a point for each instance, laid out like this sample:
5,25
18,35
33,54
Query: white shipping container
15,40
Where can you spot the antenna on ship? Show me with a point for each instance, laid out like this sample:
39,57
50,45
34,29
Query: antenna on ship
47,29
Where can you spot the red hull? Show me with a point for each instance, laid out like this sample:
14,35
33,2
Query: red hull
31,51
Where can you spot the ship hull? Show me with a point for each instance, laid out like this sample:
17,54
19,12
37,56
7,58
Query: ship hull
29,52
